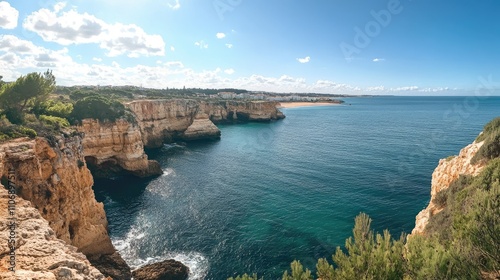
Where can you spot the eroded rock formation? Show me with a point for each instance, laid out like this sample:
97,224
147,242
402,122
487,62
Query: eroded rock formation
165,270
38,253
447,171
116,146
166,120
55,179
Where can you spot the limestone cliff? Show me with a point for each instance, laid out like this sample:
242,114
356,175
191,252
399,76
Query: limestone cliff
55,179
165,120
116,145
447,171
38,253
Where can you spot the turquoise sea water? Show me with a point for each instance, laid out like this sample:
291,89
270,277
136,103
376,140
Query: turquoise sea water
269,193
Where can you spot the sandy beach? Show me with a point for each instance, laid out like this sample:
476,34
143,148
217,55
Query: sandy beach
304,104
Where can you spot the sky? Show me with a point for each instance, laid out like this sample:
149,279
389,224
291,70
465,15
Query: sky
397,47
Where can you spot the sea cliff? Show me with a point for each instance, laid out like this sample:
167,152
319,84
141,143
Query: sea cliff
447,171
115,147
39,254
163,121
53,176
62,228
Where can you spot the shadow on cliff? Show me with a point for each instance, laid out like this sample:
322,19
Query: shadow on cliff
122,194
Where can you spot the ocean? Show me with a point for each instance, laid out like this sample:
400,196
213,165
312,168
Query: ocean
270,193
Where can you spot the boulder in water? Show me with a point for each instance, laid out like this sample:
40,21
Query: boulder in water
165,270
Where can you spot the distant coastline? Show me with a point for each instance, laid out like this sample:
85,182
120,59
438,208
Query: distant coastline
305,104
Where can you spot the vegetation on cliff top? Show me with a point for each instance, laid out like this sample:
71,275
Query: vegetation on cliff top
29,107
491,146
460,242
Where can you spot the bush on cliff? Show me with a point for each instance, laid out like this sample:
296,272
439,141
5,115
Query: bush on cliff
427,258
15,131
55,122
97,107
491,146
53,108
19,97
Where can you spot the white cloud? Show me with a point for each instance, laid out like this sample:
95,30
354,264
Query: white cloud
378,59
172,49
8,16
59,6
17,54
174,6
71,27
19,57
220,35
407,88
9,43
304,60
229,46
333,87
201,44
376,88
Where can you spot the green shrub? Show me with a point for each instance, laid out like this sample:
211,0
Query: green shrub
14,115
491,147
28,132
378,256
97,107
56,122
490,128
297,272
16,131
427,258
79,95
478,224
19,97
53,108
441,198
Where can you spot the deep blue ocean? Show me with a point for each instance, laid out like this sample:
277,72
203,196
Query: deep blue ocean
269,193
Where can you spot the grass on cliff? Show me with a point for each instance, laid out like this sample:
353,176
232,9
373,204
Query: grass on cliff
491,146
470,219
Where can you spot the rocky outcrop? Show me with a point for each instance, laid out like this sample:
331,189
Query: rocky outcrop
241,111
38,253
201,129
447,171
165,270
166,120
55,179
115,147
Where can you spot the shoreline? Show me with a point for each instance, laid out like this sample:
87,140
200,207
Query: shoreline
305,104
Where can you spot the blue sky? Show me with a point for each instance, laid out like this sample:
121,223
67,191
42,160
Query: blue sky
408,47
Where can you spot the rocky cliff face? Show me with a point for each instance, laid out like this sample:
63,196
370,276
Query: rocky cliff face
55,179
165,120
447,171
39,254
116,146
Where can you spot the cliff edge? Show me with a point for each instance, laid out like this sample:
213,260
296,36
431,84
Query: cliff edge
115,147
53,176
38,253
447,171
186,119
